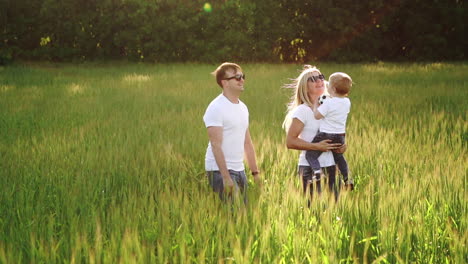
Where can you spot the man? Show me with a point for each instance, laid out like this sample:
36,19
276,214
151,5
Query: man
227,122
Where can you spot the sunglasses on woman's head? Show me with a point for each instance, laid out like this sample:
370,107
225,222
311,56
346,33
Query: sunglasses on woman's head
237,77
316,78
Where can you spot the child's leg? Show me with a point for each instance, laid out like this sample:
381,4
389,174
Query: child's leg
342,164
312,156
339,157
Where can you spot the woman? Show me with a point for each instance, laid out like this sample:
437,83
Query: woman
301,127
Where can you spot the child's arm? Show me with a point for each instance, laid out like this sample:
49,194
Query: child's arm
317,114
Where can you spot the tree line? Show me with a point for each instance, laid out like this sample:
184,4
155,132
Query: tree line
240,30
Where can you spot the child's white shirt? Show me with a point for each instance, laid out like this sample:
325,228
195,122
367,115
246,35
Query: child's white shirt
335,112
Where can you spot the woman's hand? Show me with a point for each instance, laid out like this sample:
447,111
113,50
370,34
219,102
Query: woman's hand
325,145
341,149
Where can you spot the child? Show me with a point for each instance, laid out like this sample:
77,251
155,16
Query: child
334,112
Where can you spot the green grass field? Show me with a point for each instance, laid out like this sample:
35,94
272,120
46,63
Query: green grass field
105,164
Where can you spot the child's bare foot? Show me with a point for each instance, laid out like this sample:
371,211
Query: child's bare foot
349,184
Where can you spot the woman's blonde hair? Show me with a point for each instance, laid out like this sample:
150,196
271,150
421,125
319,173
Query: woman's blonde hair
300,94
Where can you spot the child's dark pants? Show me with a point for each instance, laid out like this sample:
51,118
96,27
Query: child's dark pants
312,155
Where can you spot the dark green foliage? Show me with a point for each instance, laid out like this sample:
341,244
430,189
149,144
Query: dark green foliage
238,30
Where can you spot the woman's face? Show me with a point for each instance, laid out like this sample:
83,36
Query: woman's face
315,84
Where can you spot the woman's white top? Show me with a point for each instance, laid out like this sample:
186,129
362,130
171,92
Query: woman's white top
311,127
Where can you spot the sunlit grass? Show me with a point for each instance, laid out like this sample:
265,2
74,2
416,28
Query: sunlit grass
5,88
104,164
136,78
76,88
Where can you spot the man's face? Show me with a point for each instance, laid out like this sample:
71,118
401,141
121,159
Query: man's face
234,80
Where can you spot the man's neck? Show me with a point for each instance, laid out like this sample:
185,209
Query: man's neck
233,98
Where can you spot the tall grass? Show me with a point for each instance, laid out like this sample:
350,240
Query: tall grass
105,164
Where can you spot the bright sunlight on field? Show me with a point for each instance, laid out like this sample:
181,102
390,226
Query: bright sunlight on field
105,164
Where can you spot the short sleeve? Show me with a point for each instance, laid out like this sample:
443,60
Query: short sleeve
300,113
213,116
324,108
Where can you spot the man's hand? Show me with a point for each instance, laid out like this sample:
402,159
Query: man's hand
228,185
257,179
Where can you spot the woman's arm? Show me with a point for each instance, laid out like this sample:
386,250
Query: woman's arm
294,142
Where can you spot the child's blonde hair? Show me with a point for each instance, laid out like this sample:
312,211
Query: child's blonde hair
341,82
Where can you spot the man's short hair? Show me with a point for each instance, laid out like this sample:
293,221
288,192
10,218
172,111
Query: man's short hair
220,72
341,81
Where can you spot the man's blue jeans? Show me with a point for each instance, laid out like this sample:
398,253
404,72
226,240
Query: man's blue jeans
238,177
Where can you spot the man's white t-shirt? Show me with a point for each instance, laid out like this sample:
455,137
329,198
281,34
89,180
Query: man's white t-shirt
311,127
234,118
335,111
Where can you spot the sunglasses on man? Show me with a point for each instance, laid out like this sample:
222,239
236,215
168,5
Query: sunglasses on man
237,77
316,78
